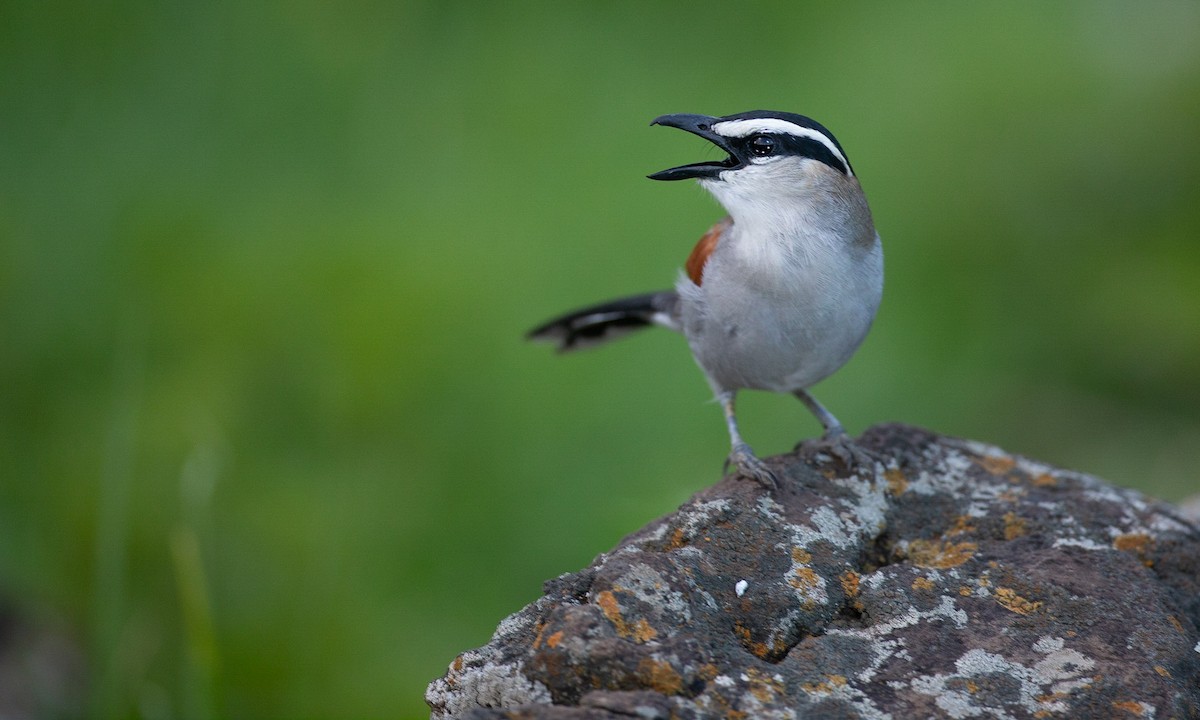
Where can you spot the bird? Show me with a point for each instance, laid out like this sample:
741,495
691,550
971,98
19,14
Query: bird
779,293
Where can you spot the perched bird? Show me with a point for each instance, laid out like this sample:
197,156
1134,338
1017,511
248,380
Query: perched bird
777,295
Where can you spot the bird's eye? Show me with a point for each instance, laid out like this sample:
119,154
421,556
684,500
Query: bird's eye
762,146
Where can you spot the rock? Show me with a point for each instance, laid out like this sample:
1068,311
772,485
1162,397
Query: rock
950,580
1190,508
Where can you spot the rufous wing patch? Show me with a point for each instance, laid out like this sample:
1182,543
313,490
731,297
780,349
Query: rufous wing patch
699,257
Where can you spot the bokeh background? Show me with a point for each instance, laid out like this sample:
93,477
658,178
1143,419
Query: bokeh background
271,444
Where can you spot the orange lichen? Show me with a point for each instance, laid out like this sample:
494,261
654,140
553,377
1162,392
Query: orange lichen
678,539
1014,527
660,676
608,605
1045,480
763,686
759,649
1012,495
1137,543
1175,623
1133,542
826,686
1129,706
962,524
964,591
997,465
1011,601
939,554
922,583
1162,671
708,671
896,481
803,578
640,631
850,581
537,640
762,691
554,639
972,687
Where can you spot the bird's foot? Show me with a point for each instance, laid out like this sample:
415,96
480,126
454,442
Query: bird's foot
748,464
841,447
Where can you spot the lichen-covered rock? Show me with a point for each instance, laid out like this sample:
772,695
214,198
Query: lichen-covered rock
949,580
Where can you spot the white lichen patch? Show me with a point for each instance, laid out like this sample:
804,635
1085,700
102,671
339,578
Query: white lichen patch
883,647
807,583
978,448
837,688
834,528
949,473
873,580
707,599
768,508
1147,710
859,522
648,585
513,625
1084,543
1048,644
1032,468
658,534
701,515
843,523
754,707
482,683
1161,524
1041,688
871,508
740,587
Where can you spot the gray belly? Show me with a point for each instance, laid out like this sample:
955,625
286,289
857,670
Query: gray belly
779,339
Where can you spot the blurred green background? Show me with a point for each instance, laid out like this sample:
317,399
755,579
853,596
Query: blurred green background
271,444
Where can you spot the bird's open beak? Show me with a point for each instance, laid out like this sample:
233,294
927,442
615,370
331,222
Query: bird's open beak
698,125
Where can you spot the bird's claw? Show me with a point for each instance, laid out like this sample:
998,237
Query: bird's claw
748,464
841,447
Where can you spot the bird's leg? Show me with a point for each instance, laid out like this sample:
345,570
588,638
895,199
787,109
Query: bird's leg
741,455
833,428
835,439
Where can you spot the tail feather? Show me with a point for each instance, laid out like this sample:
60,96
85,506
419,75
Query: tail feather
597,324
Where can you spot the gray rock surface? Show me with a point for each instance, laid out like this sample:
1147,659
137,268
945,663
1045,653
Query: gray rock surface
949,580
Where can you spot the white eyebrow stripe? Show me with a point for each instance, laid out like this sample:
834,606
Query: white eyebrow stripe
742,128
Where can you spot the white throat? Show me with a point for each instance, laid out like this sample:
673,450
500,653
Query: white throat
795,225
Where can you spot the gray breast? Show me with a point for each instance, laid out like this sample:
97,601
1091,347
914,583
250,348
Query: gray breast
754,329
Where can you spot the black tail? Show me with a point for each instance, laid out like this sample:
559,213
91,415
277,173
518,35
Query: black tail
600,323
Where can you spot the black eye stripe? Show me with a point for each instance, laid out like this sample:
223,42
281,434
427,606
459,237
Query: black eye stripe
787,144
